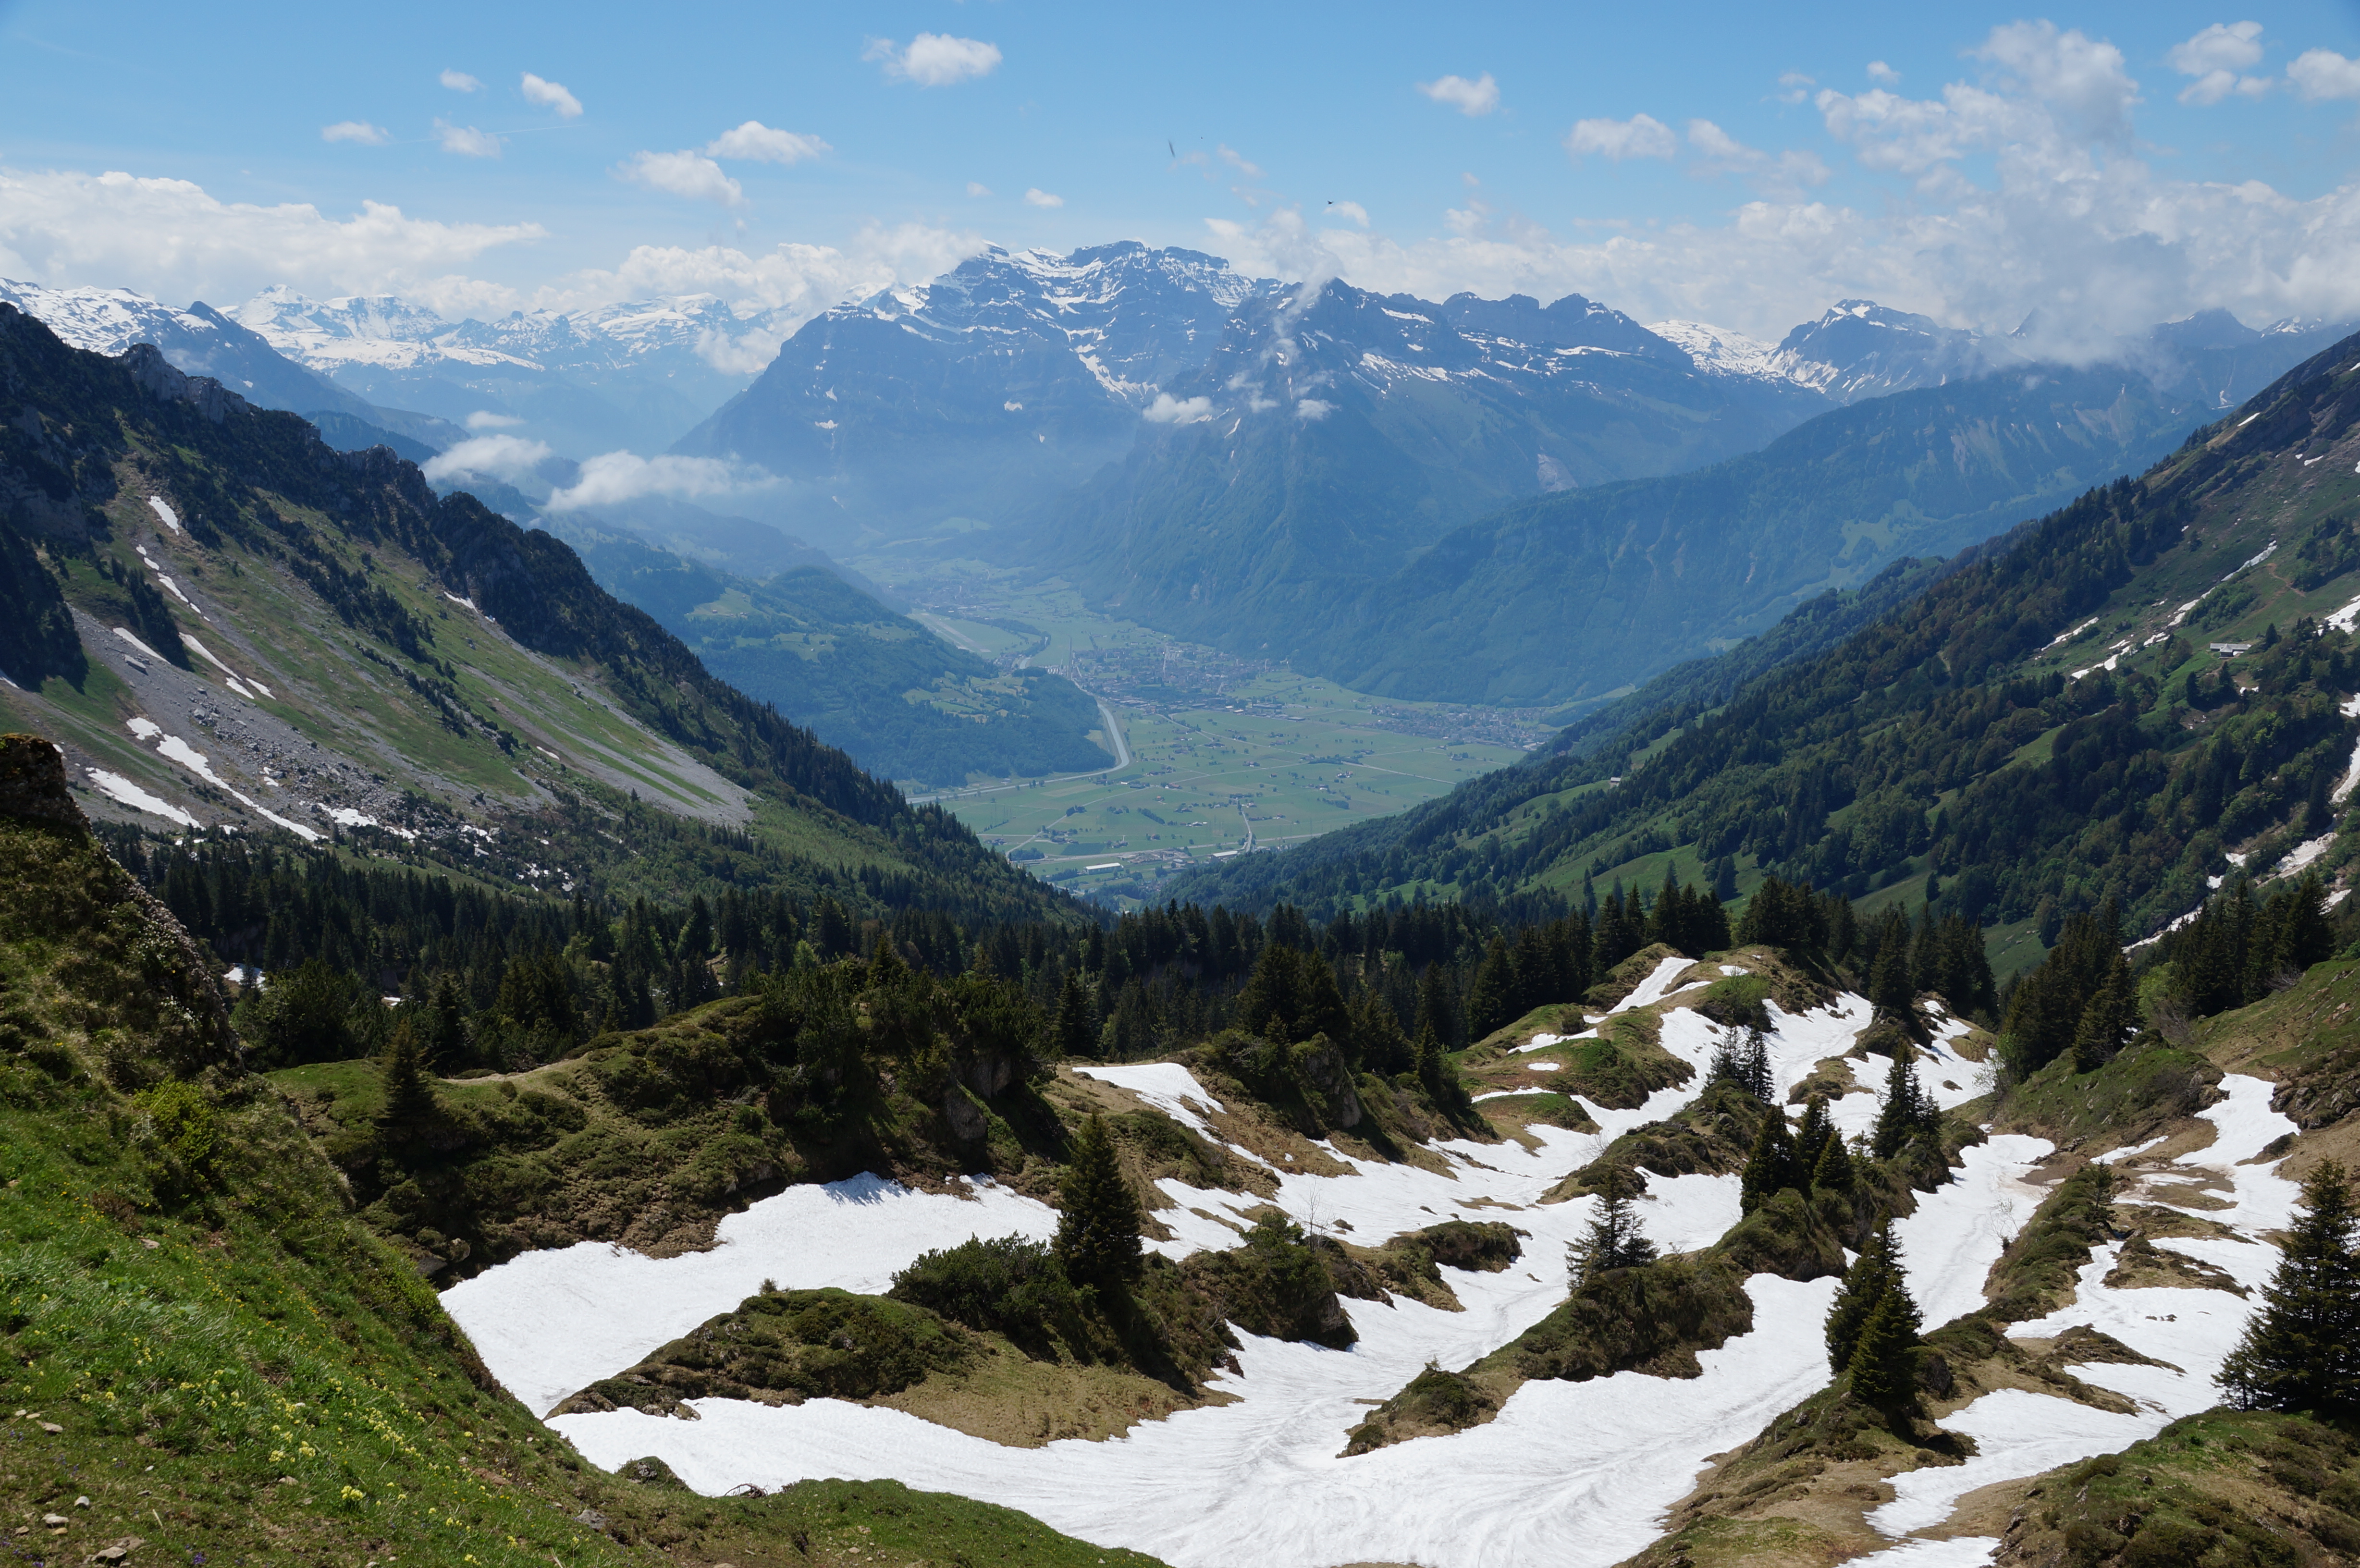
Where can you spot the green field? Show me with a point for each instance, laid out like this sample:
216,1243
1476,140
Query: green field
1220,747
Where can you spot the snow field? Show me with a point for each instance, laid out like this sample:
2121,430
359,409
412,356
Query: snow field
1595,1464
2019,1434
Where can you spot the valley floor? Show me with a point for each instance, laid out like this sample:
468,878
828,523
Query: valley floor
1569,1472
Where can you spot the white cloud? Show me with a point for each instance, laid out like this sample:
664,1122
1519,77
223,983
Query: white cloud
934,60
1479,96
1351,210
460,82
757,143
1641,136
1787,174
1881,74
1793,87
2215,58
1169,410
1237,160
509,457
359,131
63,227
484,419
1036,197
465,140
1313,410
618,476
551,96
689,174
978,187
2322,74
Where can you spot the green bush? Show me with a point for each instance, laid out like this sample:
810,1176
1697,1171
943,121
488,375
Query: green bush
1008,1285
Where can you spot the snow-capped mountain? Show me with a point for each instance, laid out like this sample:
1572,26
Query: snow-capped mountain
984,393
632,374
198,341
1716,351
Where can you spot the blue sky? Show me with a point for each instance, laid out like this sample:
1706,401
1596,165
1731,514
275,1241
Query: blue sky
1973,162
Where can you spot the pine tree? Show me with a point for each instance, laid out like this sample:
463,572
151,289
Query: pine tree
1890,989
1613,1239
1771,1167
2302,1351
1745,1063
1812,1141
1883,1367
409,1094
1907,1113
1097,1233
1492,1003
1876,1272
1833,1173
2110,1015
1075,1030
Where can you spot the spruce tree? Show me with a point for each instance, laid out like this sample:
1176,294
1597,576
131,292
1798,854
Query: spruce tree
409,1094
2110,1015
1771,1167
1833,1173
1908,1110
1097,1233
1491,1004
1745,1063
1812,1141
1613,1239
2302,1351
1875,1271
1075,1029
1883,1367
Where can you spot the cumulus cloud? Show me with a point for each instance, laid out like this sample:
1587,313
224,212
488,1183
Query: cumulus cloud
2320,73
1478,97
1352,211
1036,197
484,419
467,140
934,60
2217,58
551,96
757,143
1787,174
1641,136
978,187
689,174
1169,410
63,227
509,458
618,476
1882,74
2020,187
359,131
460,82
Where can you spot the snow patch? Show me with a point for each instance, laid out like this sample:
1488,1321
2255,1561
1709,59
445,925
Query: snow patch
1168,1086
125,633
116,787
164,514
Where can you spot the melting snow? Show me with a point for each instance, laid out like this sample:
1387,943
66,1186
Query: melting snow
125,633
164,513
1168,1086
116,787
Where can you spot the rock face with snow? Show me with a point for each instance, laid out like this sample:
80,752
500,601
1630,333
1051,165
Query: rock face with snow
198,341
631,375
1007,379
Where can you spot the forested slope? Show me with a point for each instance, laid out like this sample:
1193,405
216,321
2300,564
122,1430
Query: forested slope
2043,729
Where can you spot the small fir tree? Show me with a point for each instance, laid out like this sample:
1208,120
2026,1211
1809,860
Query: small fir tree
1746,1063
1772,1166
1097,1233
1909,1111
409,1094
1883,1365
1613,1239
1876,1271
2302,1351
1812,1141
1077,1025
1833,1173
2110,1015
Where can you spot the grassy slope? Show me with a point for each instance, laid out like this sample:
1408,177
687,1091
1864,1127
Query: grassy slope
206,1343
1952,708
540,709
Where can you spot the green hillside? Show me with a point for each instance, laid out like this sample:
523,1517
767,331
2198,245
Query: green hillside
904,702
208,1356
2043,729
313,642
1574,596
